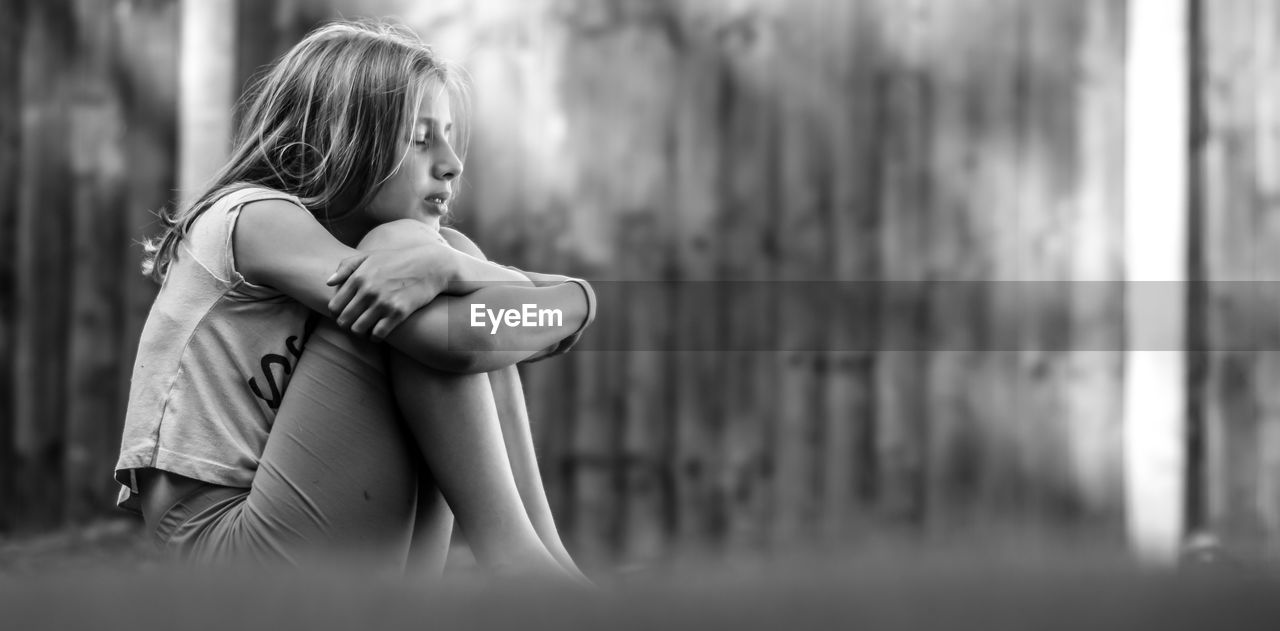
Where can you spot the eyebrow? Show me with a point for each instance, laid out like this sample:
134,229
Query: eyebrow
435,123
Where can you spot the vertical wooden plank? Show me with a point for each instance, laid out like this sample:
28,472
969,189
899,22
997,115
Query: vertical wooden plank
1096,371
906,192
692,214
598,475
762,152
1048,143
854,56
1156,213
661,239
643,391
955,259
12,44
594,494
1229,254
686,285
1266,210
801,223
98,171
43,262
208,91
746,143
699,432
261,32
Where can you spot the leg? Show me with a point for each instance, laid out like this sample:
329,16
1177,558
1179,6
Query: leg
433,528
455,421
338,475
508,394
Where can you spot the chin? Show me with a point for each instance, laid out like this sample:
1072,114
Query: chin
432,221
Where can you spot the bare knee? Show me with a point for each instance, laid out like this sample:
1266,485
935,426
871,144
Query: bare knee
462,243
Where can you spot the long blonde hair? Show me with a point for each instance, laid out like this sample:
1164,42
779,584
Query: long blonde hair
323,124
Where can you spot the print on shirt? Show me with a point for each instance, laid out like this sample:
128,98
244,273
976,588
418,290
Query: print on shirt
270,360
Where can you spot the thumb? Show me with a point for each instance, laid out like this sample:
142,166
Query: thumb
345,268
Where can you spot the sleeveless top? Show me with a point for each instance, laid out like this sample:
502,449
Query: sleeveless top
213,361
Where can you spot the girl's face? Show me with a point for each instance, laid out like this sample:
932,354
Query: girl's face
421,188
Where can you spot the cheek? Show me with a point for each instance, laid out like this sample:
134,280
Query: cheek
393,192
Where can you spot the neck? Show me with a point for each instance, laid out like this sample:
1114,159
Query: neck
347,225
349,230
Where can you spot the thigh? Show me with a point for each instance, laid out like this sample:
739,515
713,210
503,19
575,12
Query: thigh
338,478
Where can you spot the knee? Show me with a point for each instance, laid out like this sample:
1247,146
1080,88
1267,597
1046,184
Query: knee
462,243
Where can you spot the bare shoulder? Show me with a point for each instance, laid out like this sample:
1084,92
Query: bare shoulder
279,244
275,210
461,242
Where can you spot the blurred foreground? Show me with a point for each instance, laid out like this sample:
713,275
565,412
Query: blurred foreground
104,577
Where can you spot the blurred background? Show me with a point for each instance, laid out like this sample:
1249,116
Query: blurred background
916,146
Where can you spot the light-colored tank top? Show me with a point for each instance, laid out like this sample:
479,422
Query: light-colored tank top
213,361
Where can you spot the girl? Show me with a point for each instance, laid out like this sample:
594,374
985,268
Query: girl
323,231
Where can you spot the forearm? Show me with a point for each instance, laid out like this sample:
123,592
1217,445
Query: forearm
472,274
508,394
492,327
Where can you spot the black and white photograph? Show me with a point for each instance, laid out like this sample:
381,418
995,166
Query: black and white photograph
640,314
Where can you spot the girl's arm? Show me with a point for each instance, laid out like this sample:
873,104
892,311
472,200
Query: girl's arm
281,245
492,327
463,244
382,262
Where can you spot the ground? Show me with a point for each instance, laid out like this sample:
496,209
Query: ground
103,575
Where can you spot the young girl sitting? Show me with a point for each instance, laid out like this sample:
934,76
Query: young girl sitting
310,384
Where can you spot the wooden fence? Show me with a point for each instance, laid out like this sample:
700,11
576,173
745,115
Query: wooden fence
1237,411
916,144
86,152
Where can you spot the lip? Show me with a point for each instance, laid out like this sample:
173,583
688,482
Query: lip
438,203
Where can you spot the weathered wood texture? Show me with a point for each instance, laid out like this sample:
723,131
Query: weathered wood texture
900,144
1237,157
12,18
916,143
91,156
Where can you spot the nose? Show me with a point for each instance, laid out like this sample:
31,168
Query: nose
447,165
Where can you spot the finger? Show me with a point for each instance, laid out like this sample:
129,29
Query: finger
365,322
345,268
388,324
343,296
355,309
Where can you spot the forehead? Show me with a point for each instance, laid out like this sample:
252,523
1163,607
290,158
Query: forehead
434,104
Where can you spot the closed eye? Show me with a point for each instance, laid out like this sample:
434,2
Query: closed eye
428,131
423,137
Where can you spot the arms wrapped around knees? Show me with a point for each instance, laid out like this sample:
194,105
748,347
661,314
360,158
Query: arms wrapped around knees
469,328
460,242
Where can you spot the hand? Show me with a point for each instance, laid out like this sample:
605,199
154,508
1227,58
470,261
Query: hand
377,290
543,280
